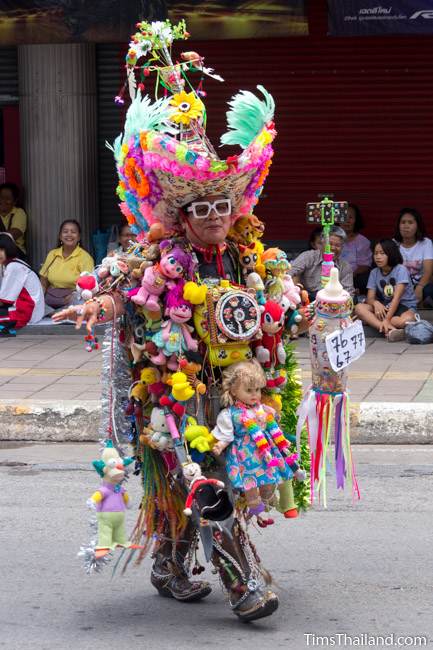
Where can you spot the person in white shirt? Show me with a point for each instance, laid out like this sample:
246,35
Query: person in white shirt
21,294
417,252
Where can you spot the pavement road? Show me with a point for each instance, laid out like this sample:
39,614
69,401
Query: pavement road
363,568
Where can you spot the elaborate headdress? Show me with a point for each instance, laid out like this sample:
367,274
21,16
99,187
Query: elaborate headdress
163,158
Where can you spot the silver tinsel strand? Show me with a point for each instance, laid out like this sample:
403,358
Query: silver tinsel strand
119,377
87,552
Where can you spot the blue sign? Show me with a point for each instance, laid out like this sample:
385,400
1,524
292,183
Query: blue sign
369,17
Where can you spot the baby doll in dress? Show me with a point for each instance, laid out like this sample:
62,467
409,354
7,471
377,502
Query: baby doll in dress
256,449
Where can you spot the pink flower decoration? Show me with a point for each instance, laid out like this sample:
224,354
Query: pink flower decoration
202,163
125,210
147,213
165,165
171,146
140,237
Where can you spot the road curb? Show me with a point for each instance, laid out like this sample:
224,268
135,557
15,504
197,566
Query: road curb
78,421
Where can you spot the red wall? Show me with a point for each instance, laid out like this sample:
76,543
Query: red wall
11,135
354,117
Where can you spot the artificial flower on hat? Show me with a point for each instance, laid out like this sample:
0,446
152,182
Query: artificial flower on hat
163,157
188,107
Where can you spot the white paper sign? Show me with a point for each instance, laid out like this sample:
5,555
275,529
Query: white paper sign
345,345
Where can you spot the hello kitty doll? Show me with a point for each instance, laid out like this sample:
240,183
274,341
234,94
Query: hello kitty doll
174,265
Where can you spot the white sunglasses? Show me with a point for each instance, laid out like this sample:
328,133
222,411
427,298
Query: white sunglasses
202,209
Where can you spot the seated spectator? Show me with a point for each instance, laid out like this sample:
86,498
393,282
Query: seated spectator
417,252
307,267
126,236
63,265
21,295
315,238
391,300
13,219
357,249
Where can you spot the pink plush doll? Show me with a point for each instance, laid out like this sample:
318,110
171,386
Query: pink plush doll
174,337
291,291
174,265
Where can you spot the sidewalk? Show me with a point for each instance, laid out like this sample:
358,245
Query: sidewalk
50,389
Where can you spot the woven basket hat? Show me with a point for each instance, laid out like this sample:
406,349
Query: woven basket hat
164,159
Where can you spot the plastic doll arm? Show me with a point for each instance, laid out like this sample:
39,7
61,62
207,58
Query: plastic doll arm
90,311
219,447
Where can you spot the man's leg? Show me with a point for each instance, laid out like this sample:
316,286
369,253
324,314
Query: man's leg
245,581
169,575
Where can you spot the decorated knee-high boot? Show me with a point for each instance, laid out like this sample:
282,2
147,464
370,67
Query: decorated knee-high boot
169,575
246,582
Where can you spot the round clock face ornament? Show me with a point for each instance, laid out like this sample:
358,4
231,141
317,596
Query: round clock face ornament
238,315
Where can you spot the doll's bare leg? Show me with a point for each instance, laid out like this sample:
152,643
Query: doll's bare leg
254,501
267,492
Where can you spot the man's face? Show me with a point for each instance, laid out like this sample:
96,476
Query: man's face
336,244
211,230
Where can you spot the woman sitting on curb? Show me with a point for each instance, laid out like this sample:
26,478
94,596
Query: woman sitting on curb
63,265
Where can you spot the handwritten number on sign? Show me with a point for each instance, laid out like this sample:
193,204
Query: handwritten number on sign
345,345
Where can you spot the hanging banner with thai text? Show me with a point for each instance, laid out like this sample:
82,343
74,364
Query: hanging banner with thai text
369,17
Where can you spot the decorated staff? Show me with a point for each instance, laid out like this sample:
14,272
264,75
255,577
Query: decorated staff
334,344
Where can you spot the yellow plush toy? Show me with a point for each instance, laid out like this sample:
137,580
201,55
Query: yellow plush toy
194,293
180,387
199,437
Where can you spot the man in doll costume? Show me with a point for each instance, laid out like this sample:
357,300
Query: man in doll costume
182,201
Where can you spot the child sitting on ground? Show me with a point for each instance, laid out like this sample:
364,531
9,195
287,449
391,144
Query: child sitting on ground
391,301
21,295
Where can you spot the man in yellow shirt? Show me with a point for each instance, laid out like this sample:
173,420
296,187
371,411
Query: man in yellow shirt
13,219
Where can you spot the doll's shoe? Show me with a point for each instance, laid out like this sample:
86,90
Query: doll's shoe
291,514
101,552
255,604
172,582
264,523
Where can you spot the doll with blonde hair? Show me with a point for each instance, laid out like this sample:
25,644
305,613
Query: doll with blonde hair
256,448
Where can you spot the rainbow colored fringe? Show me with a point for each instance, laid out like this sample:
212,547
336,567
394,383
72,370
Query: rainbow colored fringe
323,413
161,513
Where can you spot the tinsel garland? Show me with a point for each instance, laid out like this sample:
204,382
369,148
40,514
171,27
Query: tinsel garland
116,374
291,396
